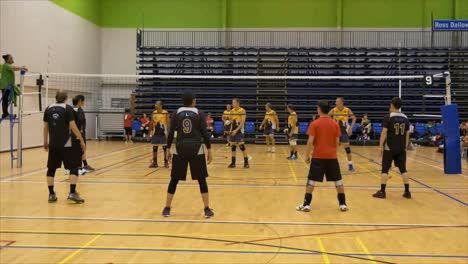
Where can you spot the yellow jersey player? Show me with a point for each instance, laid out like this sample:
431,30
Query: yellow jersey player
158,130
292,131
238,116
227,123
341,114
269,125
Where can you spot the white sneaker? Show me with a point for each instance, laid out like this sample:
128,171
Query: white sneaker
344,208
249,157
82,172
66,172
303,208
273,150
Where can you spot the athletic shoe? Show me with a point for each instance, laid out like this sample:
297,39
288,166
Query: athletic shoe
131,142
343,208
303,208
232,165
208,212
66,172
246,165
153,165
75,197
228,145
166,164
89,168
350,167
379,194
290,158
273,150
294,157
407,195
166,212
52,198
126,142
268,149
81,172
249,158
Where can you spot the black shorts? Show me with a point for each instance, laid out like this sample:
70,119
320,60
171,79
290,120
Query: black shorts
389,156
328,167
192,155
128,131
70,156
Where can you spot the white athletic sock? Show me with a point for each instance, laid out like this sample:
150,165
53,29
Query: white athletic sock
350,162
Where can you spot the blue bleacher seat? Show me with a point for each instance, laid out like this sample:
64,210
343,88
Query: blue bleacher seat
377,127
356,128
218,127
249,128
420,129
303,126
136,125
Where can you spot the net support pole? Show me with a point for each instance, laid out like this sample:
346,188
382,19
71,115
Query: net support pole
450,124
19,137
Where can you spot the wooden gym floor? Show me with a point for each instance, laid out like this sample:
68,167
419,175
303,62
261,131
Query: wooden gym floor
255,219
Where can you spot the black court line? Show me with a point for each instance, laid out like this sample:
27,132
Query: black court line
223,241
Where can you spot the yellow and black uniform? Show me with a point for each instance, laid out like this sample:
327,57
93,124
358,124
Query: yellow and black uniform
159,127
270,125
293,120
342,117
236,119
227,120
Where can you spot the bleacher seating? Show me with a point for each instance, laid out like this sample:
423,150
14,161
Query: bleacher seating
363,96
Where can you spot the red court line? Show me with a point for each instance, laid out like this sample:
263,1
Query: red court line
341,232
8,243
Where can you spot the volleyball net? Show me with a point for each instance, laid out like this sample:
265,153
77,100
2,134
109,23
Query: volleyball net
108,95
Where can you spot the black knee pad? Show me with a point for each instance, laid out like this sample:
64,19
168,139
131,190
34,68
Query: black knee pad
233,148
242,147
155,148
74,172
348,150
203,185
51,172
172,186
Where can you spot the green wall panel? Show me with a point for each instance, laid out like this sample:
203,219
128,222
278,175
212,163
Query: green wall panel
281,13
266,13
161,13
87,9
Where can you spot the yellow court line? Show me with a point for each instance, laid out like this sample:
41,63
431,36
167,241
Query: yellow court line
293,172
325,258
364,248
74,253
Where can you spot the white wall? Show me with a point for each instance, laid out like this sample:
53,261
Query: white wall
46,37
118,50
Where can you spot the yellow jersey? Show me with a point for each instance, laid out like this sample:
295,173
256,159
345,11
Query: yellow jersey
160,122
341,116
227,115
292,120
270,117
236,117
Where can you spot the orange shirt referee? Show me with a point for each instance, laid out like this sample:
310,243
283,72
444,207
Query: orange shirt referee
324,139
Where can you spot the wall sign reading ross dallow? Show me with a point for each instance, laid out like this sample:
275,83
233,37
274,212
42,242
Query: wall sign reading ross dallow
450,25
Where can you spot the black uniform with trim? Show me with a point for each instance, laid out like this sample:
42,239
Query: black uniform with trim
397,125
63,146
80,120
192,133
